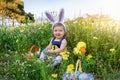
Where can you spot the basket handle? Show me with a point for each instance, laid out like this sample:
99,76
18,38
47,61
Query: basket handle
78,66
34,47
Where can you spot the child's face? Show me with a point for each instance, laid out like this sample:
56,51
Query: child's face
58,32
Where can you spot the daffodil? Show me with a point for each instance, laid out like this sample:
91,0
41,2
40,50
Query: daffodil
76,51
80,48
83,49
81,44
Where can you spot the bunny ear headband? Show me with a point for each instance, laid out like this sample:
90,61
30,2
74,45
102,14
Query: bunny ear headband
60,18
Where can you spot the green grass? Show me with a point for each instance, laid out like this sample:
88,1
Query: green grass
100,38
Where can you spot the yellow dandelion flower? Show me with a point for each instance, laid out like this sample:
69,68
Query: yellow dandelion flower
69,70
54,75
62,53
65,56
112,50
70,67
89,56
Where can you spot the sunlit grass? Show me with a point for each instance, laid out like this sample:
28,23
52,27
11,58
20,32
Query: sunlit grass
102,42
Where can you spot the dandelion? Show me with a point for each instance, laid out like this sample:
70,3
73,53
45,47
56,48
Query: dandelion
89,56
62,53
112,50
54,75
65,55
70,67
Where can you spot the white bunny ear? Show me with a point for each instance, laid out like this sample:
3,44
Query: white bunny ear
61,15
50,17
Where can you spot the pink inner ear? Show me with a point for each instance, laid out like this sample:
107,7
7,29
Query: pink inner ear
50,17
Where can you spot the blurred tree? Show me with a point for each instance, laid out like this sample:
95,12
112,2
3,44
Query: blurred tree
14,9
30,18
27,18
3,10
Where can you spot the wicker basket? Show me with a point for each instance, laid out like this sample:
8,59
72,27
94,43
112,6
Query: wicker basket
79,75
31,55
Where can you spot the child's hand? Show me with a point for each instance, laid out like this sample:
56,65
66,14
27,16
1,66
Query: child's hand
51,51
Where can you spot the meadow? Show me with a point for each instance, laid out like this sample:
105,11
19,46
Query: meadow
102,39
